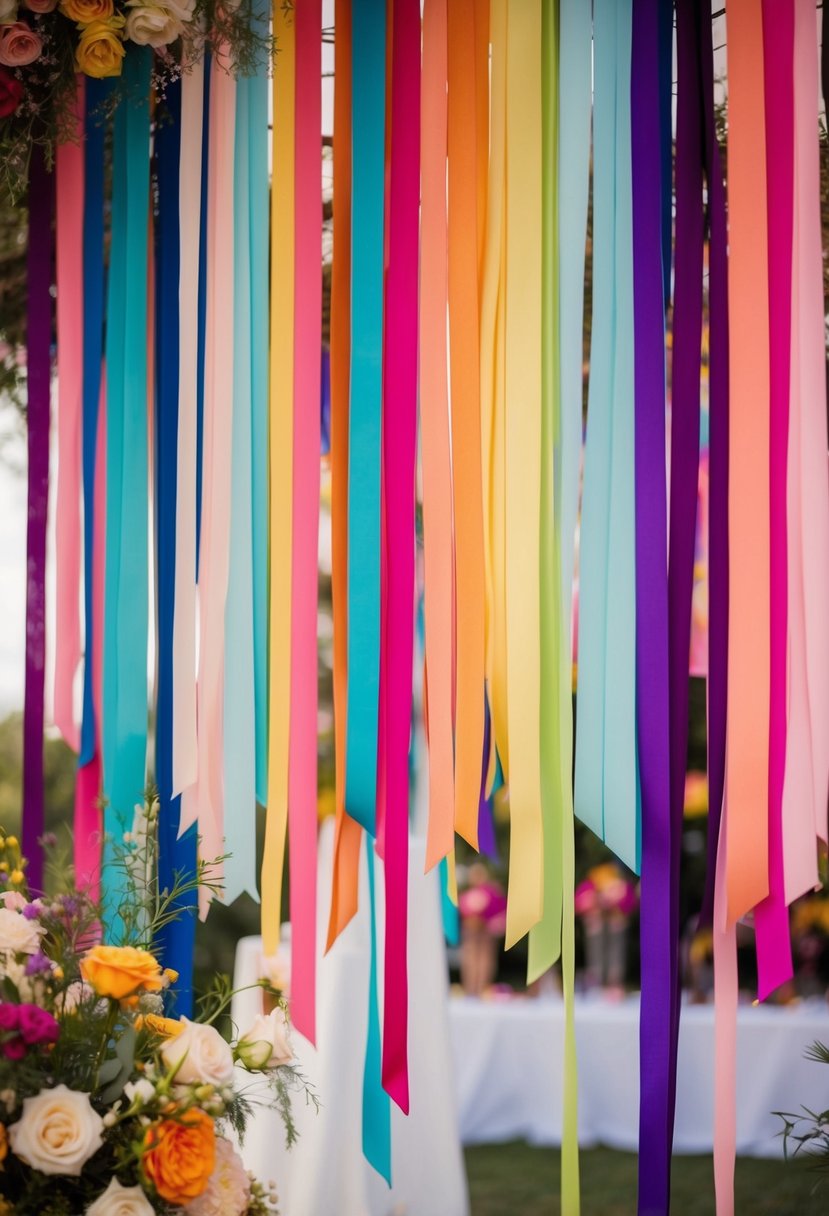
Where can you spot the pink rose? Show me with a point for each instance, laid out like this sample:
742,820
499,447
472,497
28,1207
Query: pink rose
41,6
19,45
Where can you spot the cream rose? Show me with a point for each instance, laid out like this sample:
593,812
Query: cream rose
120,1200
8,11
19,45
266,1044
17,935
200,1054
58,1131
150,25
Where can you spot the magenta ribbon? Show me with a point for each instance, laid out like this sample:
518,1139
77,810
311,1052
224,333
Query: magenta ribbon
399,454
659,839
38,374
771,918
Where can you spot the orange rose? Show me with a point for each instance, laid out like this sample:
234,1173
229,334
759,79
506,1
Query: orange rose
119,971
4,1144
179,1156
165,1028
84,11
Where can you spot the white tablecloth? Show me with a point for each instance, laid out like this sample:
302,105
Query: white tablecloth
508,1069
325,1174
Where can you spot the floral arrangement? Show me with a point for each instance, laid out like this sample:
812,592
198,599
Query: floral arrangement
108,1105
47,45
606,890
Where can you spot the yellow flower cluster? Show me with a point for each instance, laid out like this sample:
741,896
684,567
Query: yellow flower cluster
100,50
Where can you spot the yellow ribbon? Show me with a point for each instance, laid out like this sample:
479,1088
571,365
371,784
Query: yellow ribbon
281,472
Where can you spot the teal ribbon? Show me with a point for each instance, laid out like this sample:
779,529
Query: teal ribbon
239,704
259,201
365,417
126,607
607,794
376,1102
448,910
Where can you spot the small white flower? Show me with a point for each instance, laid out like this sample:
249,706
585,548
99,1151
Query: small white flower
110,1118
120,1200
17,934
9,1099
57,1132
140,1092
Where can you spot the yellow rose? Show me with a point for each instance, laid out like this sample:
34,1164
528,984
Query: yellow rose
100,48
120,971
165,1028
85,11
179,1156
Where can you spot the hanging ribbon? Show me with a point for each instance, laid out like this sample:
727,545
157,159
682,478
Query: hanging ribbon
606,793
807,479
545,937
434,417
466,424
726,993
175,857
126,617
376,1104
747,775
492,396
718,443
38,377
191,226
345,888
575,102
399,458
302,765
660,839
364,422
202,313
258,99
771,919
523,463
214,552
281,473
69,167
239,690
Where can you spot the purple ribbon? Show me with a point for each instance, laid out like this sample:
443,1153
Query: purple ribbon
659,942
38,374
717,460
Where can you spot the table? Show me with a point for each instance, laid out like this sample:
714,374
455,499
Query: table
325,1173
507,1058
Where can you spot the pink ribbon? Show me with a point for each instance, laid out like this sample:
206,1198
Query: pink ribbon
302,766
70,200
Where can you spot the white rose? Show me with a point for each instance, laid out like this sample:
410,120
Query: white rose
204,1056
151,25
266,1044
8,11
120,1200
181,9
58,1131
18,935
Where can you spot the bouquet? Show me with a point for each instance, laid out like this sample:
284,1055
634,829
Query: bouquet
108,1105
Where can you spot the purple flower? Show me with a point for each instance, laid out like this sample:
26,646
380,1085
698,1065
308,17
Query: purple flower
37,964
31,911
37,1026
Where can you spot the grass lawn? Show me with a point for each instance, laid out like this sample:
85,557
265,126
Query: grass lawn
518,1180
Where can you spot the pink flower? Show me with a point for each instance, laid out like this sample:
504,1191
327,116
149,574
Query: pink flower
37,1026
15,1049
11,93
9,1017
13,900
19,45
41,6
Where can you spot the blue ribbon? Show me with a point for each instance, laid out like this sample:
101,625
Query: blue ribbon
174,856
93,344
126,612
376,1102
239,708
364,443
607,792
